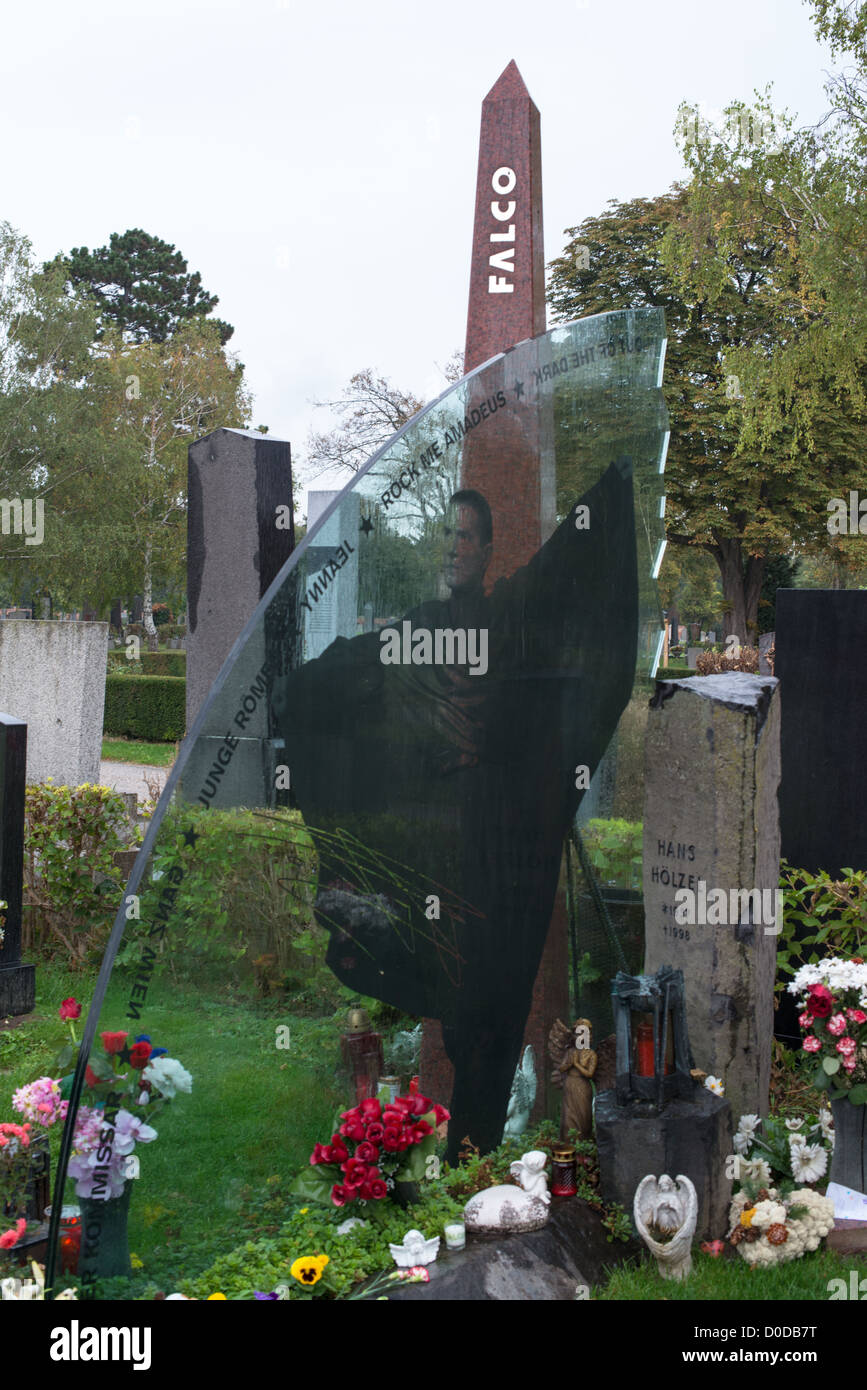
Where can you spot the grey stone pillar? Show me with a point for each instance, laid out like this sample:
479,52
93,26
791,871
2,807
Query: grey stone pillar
711,822
238,539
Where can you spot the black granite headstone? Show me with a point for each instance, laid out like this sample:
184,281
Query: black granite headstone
821,662
17,981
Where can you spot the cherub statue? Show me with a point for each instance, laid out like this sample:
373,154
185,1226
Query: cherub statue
507,1208
671,1209
575,1062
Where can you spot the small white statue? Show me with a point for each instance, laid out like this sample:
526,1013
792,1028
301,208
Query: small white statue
507,1208
415,1250
671,1208
523,1095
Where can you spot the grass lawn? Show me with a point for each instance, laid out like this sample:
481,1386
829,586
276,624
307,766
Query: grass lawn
129,750
219,1146
729,1279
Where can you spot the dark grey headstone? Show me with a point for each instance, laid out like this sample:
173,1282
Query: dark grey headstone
549,1264
693,1137
237,480
17,981
821,662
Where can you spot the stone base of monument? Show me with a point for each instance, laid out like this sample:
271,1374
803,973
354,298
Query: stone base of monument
691,1136
562,1261
17,990
848,1237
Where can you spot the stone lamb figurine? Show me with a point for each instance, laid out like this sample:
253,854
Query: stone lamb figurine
507,1209
670,1210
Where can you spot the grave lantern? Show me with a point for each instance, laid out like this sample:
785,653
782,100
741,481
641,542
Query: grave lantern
361,1049
653,1058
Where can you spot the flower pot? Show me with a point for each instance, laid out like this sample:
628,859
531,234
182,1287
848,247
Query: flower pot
849,1160
406,1193
104,1238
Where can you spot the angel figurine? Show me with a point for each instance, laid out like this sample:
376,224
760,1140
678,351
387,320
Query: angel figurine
665,1214
575,1062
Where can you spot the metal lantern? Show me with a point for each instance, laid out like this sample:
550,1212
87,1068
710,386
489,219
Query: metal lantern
642,1072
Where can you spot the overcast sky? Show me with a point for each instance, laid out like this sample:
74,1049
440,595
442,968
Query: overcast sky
317,162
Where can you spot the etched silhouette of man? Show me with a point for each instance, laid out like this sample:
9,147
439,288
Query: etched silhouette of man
467,781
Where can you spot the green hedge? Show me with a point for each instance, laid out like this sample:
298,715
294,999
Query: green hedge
674,673
162,663
146,707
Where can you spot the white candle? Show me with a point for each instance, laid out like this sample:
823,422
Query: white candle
456,1236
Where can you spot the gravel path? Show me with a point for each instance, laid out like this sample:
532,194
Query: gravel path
129,777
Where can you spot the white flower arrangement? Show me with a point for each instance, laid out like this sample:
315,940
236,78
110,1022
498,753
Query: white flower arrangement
782,1236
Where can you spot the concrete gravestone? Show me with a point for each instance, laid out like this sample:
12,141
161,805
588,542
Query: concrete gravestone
711,867
52,675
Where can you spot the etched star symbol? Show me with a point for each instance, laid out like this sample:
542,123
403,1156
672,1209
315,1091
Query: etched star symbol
190,837
366,525
519,389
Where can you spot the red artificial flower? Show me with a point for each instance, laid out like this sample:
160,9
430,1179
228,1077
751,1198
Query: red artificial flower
70,1008
391,1138
440,1114
820,1002
320,1154
378,1190
341,1194
90,1076
367,1152
113,1042
139,1054
353,1129
337,1150
419,1131
353,1114
375,1132
370,1109
355,1171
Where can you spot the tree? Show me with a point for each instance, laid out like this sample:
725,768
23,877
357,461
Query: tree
45,339
740,501
151,401
371,410
142,287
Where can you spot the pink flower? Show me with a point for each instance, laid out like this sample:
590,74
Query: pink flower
846,1046
419,1272
812,1044
713,1247
11,1237
849,1064
836,1025
856,1015
805,1020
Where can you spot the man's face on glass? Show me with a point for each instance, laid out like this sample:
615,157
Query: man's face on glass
466,558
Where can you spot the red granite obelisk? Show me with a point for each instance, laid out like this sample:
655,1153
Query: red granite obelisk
511,465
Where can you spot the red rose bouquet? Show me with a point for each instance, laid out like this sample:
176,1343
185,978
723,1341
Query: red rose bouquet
375,1146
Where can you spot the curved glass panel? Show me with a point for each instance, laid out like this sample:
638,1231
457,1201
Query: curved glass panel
378,789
